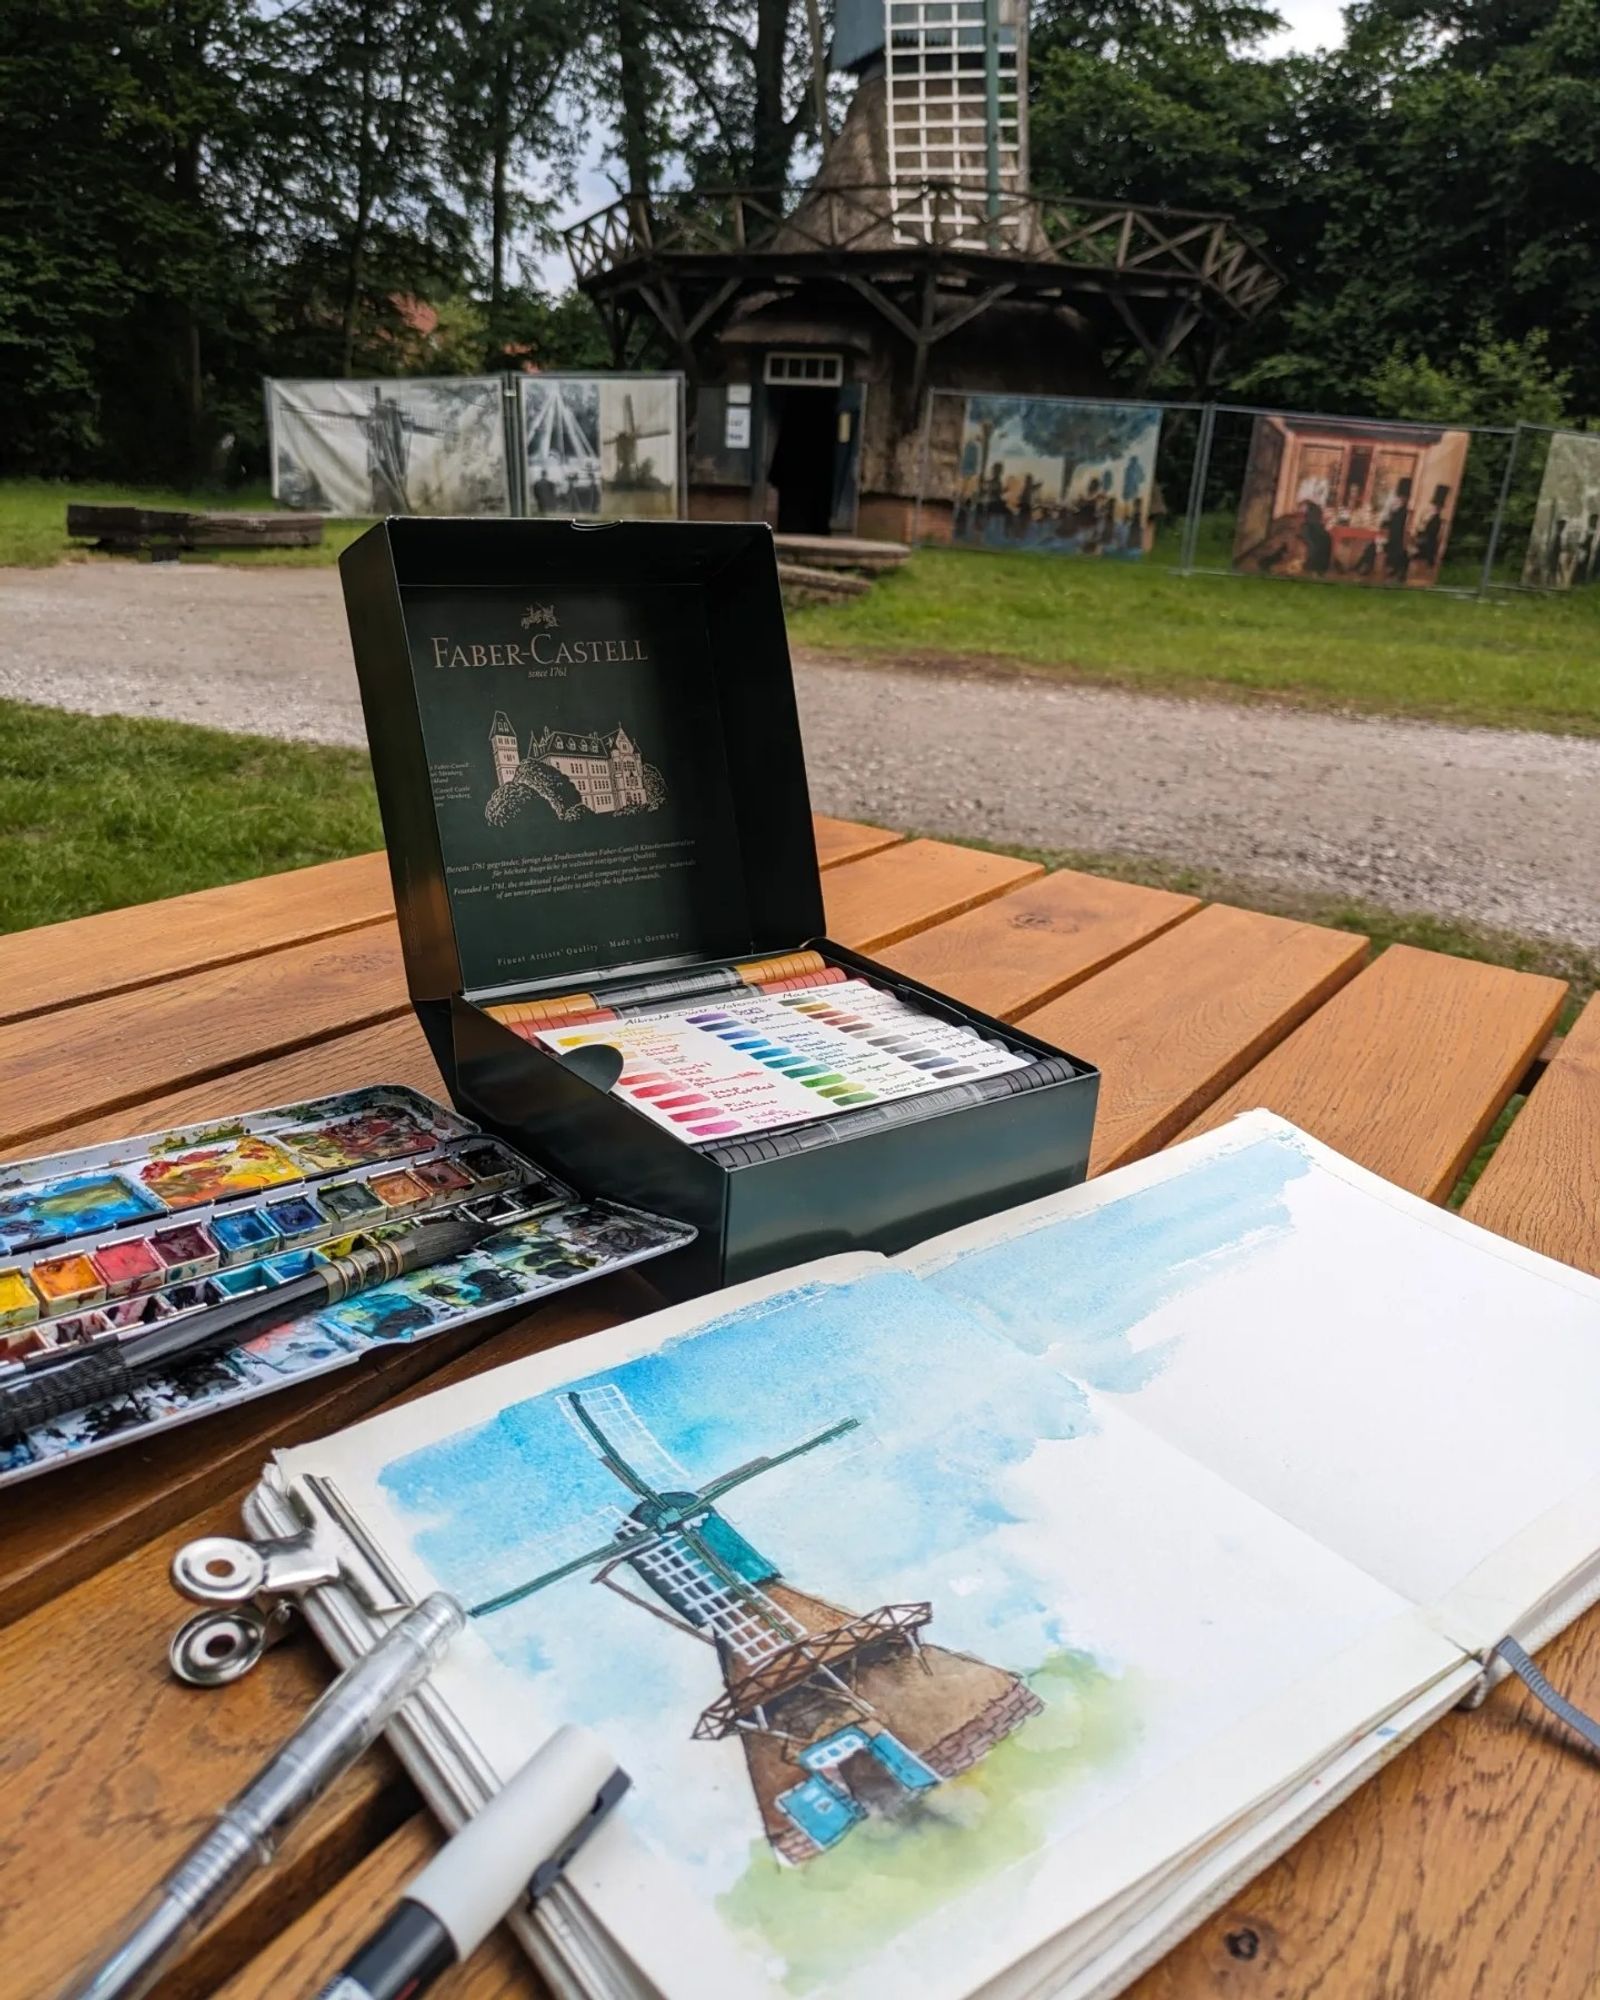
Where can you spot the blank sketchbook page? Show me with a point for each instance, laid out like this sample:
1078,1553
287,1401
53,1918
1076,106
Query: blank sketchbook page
1050,1654
1405,1387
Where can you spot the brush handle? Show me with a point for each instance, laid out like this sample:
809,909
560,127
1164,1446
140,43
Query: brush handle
59,1384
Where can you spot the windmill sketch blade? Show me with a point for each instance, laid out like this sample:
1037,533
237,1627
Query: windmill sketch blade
755,1466
592,1537
614,1431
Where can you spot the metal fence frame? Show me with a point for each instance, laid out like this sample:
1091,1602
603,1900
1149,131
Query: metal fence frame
1189,528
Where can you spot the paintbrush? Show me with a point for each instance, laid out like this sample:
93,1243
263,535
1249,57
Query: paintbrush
67,1379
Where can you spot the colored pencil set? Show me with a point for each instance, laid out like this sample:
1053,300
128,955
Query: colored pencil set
772,1047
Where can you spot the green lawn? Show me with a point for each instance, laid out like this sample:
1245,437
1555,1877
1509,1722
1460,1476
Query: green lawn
1512,660
33,521
98,811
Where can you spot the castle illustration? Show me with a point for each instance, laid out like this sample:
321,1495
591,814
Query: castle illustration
606,769
842,1715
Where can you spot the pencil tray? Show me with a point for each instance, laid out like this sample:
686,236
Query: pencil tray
102,1242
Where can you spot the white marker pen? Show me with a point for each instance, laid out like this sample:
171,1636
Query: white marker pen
516,1847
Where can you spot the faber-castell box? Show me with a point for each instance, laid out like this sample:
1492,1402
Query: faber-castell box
589,765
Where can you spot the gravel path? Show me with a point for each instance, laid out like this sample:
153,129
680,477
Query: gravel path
1498,826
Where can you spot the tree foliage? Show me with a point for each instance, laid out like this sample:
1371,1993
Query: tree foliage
194,193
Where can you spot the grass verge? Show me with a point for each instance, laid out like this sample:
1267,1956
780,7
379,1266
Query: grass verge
1508,661
100,811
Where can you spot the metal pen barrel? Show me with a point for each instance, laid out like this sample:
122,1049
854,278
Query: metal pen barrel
341,1725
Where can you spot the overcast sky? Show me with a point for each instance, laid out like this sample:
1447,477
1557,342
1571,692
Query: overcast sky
1312,24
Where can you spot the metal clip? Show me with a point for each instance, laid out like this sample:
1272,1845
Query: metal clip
215,1647
252,1588
224,1569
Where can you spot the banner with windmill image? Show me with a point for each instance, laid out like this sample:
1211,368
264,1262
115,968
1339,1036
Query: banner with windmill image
605,446
878,1612
404,446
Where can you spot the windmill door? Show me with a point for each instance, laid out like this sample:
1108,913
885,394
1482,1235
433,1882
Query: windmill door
849,418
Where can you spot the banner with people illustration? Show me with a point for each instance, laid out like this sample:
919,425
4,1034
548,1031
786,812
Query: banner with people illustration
1347,501
1564,544
1051,472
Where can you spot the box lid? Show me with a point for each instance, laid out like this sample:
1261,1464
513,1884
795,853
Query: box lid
586,747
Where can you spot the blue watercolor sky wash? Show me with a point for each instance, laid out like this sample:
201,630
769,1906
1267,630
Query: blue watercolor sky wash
1078,1289
908,1506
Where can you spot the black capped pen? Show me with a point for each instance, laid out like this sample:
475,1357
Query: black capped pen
515,1848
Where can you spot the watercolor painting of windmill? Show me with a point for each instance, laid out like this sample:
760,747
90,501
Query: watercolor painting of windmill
839,1713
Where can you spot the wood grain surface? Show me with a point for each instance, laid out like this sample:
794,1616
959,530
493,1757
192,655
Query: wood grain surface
89,957
1349,1074
1542,1184
1024,948
392,1052
301,1960
111,1054
1458,1874
878,901
844,840
1175,1022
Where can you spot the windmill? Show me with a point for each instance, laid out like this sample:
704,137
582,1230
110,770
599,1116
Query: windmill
630,474
840,1715
388,429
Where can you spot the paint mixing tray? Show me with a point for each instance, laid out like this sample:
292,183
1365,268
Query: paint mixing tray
103,1242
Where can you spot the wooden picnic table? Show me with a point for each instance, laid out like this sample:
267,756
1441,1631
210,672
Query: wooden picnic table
1460,1870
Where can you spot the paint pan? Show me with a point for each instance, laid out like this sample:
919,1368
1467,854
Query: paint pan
67,1284
402,1193
80,1329
185,1252
19,1302
244,1235
297,1219
129,1266
143,1309
488,1166
443,1179
240,1279
350,1202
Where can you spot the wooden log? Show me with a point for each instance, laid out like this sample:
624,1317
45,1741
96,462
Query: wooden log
253,531
131,529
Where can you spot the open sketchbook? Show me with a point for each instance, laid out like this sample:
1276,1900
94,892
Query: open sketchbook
975,1621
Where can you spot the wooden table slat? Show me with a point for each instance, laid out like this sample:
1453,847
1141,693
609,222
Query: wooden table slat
1350,1076
840,840
885,897
114,1053
301,1959
118,951
1172,1025
1542,1184
1026,947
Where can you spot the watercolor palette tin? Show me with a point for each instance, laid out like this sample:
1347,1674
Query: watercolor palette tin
109,1240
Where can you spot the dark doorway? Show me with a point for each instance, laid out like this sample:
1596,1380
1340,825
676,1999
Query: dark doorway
802,463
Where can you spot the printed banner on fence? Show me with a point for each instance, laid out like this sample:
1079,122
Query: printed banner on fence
410,445
609,446
1049,472
1348,502
1564,547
